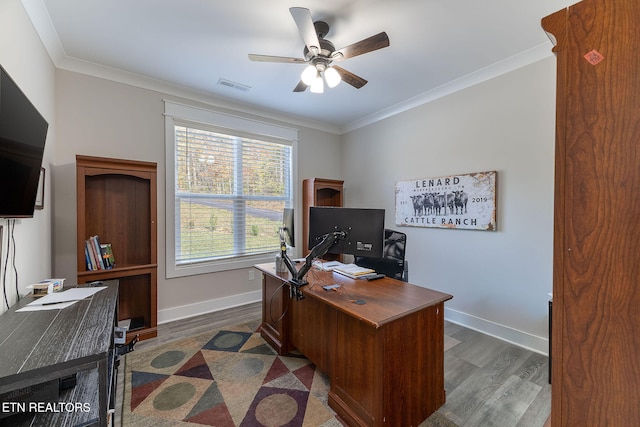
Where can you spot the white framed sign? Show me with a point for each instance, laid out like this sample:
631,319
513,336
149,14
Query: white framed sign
466,201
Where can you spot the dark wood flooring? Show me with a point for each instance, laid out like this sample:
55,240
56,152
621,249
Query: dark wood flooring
489,382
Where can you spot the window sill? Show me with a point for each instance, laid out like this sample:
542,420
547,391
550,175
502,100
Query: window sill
173,271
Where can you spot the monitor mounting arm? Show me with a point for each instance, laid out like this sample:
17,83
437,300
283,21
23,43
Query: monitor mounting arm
297,280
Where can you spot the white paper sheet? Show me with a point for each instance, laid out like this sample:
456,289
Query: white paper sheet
52,306
70,295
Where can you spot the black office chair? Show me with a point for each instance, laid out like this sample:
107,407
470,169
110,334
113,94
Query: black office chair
392,264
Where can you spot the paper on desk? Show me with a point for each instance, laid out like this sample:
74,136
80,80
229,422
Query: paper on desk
73,294
53,306
328,265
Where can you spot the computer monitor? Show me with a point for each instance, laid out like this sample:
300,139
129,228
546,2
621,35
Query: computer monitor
364,229
288,232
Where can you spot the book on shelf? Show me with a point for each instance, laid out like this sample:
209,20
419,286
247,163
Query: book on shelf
87,257
98,256
354,271
90,256
107,255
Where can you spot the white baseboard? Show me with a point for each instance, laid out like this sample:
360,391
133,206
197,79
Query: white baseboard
505,333
209,306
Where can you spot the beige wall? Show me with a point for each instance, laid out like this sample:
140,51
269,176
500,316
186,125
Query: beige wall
99,117
499,280
29,65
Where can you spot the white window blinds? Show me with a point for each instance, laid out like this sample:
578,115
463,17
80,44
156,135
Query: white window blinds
230,192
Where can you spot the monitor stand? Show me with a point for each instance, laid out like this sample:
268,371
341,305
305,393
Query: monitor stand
298,280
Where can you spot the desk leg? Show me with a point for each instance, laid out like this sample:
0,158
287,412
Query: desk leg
103,386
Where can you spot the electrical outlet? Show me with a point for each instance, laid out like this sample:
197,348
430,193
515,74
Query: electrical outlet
252,274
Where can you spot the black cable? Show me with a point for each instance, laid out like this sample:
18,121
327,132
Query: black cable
13,257
286,309
4,274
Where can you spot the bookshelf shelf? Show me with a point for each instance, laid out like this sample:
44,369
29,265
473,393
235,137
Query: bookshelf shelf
123,271
117,201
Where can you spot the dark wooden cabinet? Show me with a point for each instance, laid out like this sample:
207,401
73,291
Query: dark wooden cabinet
117,201
595,339
318,192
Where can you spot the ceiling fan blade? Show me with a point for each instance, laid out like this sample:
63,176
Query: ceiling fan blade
302,86
367,45
302,17
269,58
350,78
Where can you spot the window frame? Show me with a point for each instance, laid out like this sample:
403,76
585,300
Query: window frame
177,114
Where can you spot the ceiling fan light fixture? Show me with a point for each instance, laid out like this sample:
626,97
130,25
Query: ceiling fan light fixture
317,86
319,53
332,77
309,75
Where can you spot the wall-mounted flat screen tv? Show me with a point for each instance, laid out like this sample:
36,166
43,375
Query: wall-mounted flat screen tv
23,132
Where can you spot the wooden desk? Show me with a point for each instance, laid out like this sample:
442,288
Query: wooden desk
384,358
41,346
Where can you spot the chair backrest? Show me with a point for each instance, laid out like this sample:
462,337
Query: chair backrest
394,245
392,263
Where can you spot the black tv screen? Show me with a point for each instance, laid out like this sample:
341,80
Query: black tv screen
364,227
23,132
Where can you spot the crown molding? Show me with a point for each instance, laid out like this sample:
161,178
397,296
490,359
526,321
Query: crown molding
507,65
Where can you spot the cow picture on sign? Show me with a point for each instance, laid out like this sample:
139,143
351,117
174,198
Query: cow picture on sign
465,201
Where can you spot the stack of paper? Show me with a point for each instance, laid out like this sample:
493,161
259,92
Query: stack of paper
353,271
327,265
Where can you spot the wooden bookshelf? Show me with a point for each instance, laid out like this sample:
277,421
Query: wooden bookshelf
117,201
318,192
596,320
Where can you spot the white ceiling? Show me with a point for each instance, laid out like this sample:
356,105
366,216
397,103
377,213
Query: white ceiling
436,46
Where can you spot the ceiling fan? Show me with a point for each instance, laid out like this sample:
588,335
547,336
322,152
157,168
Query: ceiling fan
319,53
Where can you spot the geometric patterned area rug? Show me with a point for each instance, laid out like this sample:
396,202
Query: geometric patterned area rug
224,378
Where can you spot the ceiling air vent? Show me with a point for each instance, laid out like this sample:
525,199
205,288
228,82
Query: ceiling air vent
233,85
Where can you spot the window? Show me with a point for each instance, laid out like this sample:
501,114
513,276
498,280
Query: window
227,191
230,194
